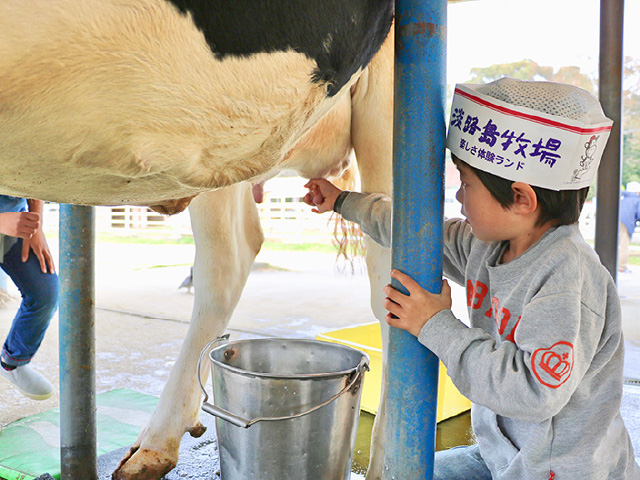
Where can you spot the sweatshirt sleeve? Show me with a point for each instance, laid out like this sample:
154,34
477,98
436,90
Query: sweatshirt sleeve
530,378
372,211
458,241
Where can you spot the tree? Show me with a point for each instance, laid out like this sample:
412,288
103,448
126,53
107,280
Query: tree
631,121
530,70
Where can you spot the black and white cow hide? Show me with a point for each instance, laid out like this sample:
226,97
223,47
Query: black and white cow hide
157,102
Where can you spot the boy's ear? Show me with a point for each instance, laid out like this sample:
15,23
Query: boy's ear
525,199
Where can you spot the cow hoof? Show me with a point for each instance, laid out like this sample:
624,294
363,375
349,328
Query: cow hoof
144,465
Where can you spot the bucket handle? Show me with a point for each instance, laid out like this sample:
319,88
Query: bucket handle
222,338
362,367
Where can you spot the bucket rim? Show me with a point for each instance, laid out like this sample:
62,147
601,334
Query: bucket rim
298,376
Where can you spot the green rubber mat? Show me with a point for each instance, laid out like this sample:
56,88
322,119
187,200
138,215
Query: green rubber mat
30,446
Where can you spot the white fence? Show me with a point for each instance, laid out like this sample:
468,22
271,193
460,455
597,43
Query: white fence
127,221
283,217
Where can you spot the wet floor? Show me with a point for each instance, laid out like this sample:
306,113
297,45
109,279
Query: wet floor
199,457
141,318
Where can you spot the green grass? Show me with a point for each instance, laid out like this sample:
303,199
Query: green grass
188,240
299,247
160,239
272,245
145,239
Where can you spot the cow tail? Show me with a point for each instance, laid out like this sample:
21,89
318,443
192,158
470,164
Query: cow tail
347,236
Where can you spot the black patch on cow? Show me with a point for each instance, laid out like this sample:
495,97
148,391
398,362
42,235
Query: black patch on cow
340,35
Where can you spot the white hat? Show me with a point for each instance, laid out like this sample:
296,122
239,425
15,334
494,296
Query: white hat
546,134
633,187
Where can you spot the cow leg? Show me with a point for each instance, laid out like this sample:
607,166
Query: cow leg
228,236
372,137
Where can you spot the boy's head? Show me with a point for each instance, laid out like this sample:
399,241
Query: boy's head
548,135
560,207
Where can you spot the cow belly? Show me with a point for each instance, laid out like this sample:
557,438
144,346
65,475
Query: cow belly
114,103
326,149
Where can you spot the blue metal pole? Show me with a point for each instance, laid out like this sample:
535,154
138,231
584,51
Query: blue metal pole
78,437
418,193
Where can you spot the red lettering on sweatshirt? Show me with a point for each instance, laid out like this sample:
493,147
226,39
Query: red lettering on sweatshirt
476,293
511,337
500,315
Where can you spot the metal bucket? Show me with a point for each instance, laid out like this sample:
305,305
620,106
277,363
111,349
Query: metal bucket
286,409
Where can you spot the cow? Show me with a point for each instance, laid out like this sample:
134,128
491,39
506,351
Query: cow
176,103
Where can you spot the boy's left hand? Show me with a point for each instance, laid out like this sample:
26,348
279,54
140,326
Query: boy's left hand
38,243
411,312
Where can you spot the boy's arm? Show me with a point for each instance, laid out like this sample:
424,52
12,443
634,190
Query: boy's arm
519,377
371,211
458,241
38,242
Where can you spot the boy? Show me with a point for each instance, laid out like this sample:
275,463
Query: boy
26,258
542,359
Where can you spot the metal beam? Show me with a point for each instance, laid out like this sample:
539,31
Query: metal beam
418,193
78,437
610,172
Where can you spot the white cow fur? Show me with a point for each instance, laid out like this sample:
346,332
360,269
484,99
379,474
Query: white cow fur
173,121
83,119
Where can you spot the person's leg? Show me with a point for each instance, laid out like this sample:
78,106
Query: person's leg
460,463
39,303
623,251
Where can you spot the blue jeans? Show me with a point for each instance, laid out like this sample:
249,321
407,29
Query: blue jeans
39,303
460,463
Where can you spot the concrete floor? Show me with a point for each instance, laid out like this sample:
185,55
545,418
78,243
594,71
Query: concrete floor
141,316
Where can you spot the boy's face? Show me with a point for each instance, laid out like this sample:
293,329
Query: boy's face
489,220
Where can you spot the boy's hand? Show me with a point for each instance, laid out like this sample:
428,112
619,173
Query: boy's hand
411,312
19,224
38,244
322,195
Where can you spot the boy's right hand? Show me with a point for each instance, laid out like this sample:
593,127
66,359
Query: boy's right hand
19,224
322,195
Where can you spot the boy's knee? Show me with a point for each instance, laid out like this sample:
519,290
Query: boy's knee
47,296
51,300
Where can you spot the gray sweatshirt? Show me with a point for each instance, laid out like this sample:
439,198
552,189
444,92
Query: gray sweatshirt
542,359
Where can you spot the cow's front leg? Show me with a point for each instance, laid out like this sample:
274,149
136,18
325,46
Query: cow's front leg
228,236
